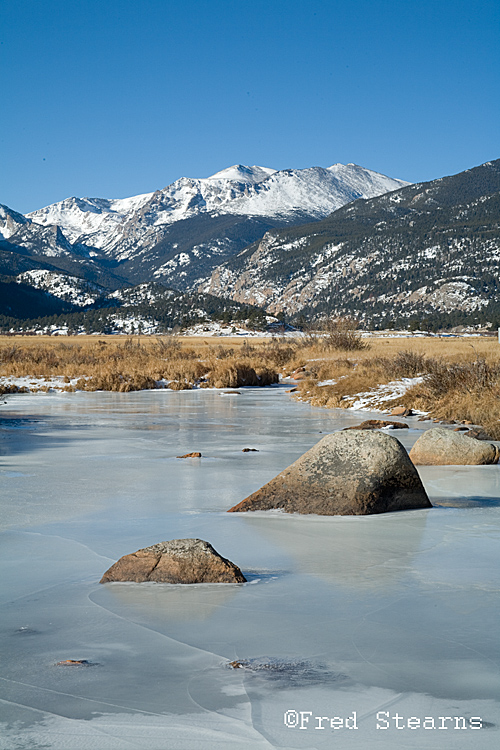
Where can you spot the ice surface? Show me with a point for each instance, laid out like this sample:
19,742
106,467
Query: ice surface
394,614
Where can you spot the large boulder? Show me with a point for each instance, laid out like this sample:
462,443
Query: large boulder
350,473
177,561
441,447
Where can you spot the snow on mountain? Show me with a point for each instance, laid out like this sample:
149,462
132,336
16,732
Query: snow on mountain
88,216
427,249
125,227
68,288
364,182
45,239
240,173
148,293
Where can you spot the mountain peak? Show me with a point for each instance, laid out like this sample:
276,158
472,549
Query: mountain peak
242,173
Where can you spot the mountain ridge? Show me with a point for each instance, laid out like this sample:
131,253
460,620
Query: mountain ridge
177,235
393,256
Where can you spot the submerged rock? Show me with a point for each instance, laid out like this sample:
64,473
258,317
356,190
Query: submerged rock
176,561
356,472
299,673
74,663
195,454
442,447
479,434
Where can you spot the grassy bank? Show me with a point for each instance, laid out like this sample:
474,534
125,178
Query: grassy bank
111,364
455,379
451,379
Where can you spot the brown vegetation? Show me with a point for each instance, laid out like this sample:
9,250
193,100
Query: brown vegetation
139,364
461,380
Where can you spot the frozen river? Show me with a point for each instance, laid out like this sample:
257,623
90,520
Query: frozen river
357,632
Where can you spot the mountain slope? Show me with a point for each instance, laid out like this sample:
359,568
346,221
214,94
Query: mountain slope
44,301
424,249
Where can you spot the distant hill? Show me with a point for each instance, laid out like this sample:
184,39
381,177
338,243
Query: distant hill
46,300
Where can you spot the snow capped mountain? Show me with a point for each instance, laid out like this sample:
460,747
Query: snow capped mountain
430,248
178,235
122,228
293,241
48,240
10,222
87,217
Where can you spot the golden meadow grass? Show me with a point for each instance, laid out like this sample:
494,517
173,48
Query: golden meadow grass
461,375
134,363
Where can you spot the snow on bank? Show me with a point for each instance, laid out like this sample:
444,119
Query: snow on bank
55,384
375,398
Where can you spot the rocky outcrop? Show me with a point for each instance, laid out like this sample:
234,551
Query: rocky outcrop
347,473
442,447
194,454
176,561
302,375
378,424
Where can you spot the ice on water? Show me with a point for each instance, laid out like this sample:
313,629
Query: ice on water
390,614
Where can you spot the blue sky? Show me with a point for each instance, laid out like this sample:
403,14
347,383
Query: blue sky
115,98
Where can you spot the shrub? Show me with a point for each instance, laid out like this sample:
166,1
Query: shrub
236,374
443,378
341,334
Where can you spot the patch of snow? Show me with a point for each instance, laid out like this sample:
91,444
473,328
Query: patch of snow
56,383
372,399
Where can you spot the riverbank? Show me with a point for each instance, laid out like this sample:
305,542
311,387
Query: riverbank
447,378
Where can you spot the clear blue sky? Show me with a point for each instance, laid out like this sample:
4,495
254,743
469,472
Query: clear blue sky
112,98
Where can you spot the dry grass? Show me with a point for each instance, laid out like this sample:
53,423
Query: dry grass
461,376
137,364
340,334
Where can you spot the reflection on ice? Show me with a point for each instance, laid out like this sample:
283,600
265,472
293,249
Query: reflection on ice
356,551
167,601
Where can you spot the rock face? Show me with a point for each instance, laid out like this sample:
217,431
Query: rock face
441,447
177,561
348,473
